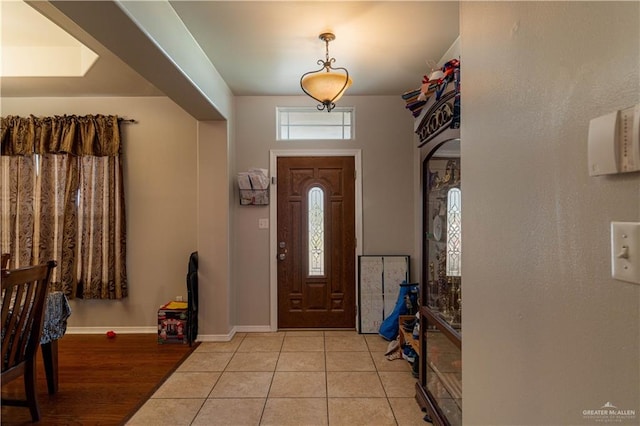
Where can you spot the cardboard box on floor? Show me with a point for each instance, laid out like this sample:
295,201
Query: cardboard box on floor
172,323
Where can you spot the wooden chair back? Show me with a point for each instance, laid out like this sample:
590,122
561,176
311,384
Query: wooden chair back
24,293
6,257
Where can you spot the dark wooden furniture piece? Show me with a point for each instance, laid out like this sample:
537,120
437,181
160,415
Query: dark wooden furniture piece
439,388
405,336
24,292
192,298
56,313
5,260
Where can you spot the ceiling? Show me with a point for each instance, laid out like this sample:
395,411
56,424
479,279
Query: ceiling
263,47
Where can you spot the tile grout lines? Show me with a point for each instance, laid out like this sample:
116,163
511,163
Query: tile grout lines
229,367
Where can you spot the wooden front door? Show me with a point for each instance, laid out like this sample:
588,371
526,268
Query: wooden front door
316,242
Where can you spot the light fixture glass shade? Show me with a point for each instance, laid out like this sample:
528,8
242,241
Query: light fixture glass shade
326,86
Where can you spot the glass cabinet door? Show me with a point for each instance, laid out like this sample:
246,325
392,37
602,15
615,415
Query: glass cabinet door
444,238
443,371
440,385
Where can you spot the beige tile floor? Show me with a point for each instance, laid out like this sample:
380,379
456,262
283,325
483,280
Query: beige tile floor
287,378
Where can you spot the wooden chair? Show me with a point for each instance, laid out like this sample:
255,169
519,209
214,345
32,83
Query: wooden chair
24,292
6,257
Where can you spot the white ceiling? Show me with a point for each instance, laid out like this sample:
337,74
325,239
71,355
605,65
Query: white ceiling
263,47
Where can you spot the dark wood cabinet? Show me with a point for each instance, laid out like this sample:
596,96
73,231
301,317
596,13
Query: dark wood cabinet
439,388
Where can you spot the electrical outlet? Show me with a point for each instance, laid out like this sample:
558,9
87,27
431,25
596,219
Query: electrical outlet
178,298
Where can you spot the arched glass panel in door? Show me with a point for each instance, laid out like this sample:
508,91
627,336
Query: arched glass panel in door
316,231
454,233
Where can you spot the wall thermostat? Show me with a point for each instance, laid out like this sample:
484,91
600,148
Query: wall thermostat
614,142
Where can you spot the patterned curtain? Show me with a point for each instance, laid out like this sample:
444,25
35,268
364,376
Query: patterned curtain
62,198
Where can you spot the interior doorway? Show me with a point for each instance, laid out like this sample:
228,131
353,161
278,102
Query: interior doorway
316,224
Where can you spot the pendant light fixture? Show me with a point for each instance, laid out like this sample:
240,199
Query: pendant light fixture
326,85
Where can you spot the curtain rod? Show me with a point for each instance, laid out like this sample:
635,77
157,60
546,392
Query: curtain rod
127,120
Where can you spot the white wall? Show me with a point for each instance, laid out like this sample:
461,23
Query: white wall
547,332
383,132
160,188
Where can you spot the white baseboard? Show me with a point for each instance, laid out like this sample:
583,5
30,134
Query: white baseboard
216,337
253,329
154,330
237,329
120,330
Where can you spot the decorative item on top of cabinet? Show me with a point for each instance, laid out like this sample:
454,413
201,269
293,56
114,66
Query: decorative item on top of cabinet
440,111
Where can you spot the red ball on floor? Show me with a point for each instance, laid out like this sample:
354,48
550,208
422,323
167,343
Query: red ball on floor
111,334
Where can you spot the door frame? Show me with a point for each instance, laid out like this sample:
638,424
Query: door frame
273,216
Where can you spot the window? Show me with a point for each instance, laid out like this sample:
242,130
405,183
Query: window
311,124
454,233
316,231
66,206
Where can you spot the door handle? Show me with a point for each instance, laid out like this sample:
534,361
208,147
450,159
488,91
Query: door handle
281,256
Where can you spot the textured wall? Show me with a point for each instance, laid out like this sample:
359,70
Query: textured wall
383,133
214,231
547,332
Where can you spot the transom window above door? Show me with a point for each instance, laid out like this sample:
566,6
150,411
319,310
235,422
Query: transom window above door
308,123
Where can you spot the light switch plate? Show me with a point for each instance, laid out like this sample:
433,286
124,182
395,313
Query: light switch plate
263,223
625,251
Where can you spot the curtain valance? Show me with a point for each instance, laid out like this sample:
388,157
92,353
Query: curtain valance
96,135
